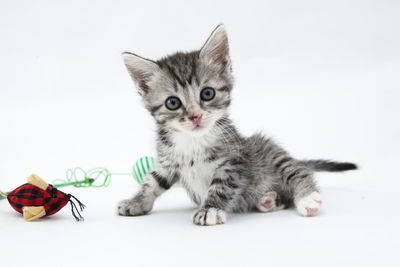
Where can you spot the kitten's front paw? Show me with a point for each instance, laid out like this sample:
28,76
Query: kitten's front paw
130,207
309,205
211,216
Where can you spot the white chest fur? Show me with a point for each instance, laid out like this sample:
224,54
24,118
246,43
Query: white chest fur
197,179
196,171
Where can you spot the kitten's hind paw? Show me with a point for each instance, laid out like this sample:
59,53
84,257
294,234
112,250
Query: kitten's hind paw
269,202
309,205
211,216
130,207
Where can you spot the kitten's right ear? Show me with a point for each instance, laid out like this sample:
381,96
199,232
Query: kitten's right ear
140,69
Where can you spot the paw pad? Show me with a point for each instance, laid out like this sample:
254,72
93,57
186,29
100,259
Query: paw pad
309,205
268,202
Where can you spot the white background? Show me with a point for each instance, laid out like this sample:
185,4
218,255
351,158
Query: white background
321,77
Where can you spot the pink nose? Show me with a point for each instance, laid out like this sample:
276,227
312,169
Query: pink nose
196,119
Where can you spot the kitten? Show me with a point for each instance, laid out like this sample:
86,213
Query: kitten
188,95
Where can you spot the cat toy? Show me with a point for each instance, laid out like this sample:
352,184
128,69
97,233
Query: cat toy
37,199
101,177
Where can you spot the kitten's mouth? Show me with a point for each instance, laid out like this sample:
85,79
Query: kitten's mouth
198,127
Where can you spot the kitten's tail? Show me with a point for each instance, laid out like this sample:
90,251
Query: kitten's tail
329,166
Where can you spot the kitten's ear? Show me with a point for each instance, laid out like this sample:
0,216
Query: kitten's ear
216,49
140,69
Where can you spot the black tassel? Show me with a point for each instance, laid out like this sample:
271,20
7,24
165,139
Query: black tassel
81,205
75,211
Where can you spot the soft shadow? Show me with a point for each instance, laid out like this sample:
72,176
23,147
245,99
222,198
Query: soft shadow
185,210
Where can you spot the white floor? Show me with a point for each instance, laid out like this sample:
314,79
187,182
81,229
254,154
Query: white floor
321,78
358,226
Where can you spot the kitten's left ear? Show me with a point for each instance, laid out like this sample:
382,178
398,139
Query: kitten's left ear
216,49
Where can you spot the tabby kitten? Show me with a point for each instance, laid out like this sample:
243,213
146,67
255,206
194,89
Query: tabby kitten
188,95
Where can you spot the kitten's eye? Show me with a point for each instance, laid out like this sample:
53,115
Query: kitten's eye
173,103
207,94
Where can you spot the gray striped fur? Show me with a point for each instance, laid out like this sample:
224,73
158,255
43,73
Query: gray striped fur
221,170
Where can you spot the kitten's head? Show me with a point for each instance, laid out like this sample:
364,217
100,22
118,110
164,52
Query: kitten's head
187,92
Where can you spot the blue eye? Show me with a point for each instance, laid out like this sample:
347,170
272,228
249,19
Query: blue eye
207,94
173,103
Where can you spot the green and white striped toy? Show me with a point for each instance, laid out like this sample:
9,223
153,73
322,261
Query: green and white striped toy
143,166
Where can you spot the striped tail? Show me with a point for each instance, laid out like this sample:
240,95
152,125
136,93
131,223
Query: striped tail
329,166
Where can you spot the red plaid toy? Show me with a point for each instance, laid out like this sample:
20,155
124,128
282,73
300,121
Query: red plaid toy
37,199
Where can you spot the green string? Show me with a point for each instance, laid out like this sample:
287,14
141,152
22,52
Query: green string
101,177
78,177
